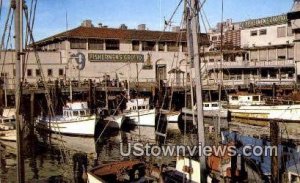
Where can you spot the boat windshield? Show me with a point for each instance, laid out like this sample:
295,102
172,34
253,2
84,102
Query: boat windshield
82,113
75,113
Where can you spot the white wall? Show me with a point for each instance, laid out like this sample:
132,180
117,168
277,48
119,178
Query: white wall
264,40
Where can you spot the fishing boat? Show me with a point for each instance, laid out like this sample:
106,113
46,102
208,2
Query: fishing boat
211,112
8,125
76,120
110,121
245,99
286,113
123,171
139,112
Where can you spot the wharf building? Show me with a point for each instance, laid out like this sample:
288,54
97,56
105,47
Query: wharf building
97,53
235,54
260,51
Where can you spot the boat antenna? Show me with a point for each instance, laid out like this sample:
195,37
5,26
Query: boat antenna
220,82
67,24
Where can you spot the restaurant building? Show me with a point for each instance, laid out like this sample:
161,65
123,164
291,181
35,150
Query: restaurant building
89,52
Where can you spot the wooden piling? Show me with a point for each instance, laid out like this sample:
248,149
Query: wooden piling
274,132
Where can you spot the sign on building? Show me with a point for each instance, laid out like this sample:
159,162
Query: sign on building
104,57
274,20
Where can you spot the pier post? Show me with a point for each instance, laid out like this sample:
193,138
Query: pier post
274,131
274,90
90,95
234,162
31,131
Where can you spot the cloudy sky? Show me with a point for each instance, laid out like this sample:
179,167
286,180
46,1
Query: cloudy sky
51,14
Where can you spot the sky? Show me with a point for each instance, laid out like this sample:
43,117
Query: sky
51,14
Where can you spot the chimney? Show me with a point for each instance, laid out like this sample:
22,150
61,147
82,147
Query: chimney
87,23
142,27
176,29
123,26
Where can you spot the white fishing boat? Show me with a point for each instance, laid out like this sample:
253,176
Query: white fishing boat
110,121
286,113
76,120
114,121
139,112
8,125
210,110
245,99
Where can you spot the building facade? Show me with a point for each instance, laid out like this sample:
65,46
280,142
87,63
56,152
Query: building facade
258,51
89,52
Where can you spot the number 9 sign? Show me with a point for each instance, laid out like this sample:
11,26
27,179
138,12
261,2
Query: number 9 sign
80,60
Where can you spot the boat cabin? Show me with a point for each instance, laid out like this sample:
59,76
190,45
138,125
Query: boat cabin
245,99
8,120
293,174
137,104
212,105
76,109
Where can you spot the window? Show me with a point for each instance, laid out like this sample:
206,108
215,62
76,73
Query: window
281,31
214,105
112,44
263,32
234,98
172,46
50,72
272,54
184,47
255,98
82,113
61,72
253,33
37,72
214,38
161,46
290,55
14,72
253,55
75,113
289,31
263,54
29,72
78,44
96,44
206,105
148,46
135,45
281,54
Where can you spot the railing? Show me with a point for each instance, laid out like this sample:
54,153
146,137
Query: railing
211,65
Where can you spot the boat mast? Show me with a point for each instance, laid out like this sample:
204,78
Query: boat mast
195,28
18,5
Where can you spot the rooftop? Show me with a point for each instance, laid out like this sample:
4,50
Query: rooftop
83,32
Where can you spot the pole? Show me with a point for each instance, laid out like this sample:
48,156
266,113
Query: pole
5,91
274,132
18,59
195,29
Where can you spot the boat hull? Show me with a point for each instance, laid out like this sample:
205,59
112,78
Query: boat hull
143,117
8,135
286,113
82,127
